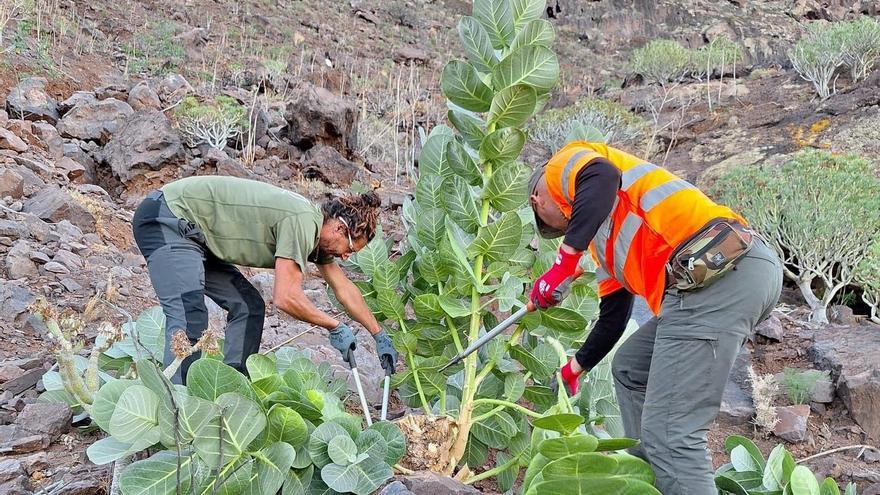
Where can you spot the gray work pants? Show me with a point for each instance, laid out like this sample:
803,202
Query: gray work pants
183,271
670,374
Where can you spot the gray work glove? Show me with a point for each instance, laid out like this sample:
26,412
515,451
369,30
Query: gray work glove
385,350
342,339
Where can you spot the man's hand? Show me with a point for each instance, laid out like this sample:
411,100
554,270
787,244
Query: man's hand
342,339
566,264
571,374
385,350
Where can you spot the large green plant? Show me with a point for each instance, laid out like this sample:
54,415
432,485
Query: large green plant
818,210
284,429
748,473
868,277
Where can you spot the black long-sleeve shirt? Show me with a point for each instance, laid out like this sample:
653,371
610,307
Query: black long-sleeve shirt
595,190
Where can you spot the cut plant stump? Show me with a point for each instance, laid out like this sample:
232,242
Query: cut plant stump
428,442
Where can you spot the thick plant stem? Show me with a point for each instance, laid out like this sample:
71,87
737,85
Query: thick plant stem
470,382
818,310
118,467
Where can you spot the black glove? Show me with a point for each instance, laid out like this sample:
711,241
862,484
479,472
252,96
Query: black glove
385,350
342,339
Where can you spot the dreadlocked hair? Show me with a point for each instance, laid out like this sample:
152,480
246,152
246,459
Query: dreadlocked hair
360,213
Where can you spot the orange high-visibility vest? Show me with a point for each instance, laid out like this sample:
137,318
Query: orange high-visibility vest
655,211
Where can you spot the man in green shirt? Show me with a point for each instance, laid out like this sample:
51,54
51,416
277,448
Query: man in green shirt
194,231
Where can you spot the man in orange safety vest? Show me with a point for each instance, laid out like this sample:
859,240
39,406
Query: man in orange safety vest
706,276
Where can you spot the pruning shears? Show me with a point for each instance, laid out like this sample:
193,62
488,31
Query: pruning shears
559,294
388,366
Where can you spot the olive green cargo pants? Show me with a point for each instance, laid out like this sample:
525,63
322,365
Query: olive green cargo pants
670,374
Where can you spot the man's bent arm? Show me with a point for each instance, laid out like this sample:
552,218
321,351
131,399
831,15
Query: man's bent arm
614,313
350,296
290,297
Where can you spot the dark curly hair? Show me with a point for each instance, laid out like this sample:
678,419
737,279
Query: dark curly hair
360,213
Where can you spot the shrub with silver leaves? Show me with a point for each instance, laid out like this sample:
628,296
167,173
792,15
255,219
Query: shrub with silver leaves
213,123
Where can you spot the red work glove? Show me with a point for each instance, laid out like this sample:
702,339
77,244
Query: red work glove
570,378
562,269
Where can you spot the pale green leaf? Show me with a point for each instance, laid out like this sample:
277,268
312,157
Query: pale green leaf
342,450
462,85
472,129
286,425
525,11
462,164
512,106
372,444
260,366
477,45
431,227
320,440
106,399
773,477
503,145
496,430
556,448
803,482
499,240
562,423
209,379
459,204
532,65
162,474
109,449
394,441
362,478
507,189
537,32
226,436
136,413
497,18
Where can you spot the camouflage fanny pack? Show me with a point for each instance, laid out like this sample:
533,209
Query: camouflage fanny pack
709,255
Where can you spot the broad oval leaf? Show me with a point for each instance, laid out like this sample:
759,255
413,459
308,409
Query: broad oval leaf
742,460
429,191
431,227
633,467
136,413
372,444
556,448
512,106
525,11
462,163
427,307
226,436
803,482
147,336
320,440
532,65
496,16
562,423
514,386
298,481
460,205
386,277
158,475
604,485
210,378
260,366
499,240
367,259
829,487
342,450
538,32
193,413
730,485
734,440
462,85
105,401
109,449
527,358
477,45
361,478
580,465
507,189
496,430
535,466
390,304
476,453
394,441
507,477
773,474
563,320
454,307
503,145
472,128
273,465
286,425
433,267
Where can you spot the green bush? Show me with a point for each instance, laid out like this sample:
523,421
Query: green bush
868,277
614,123
817,55
860,45
661,62
818,210
748,473
214,122
798,385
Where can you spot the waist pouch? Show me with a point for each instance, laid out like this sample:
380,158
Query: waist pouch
709,255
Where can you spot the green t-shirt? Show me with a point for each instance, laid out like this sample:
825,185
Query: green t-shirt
249,223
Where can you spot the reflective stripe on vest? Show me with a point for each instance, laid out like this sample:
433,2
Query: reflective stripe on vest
566,173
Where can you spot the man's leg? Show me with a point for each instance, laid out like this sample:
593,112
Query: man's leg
176,268
699,335
226,286
630,368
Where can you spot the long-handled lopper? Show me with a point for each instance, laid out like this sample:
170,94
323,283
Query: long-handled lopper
559,294
388,365
360,389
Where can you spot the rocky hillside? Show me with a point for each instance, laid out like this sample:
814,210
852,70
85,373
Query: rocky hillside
336,95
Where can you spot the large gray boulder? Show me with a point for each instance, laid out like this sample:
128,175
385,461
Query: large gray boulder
146,141
861,394
95,121
54,204
29,101
317,116
327,164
